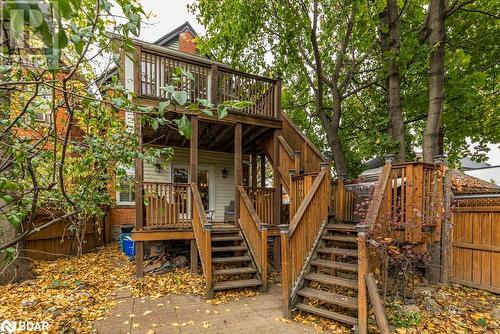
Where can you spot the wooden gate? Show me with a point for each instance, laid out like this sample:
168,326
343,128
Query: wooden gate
475,244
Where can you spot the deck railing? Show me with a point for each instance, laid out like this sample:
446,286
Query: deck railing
300,186
202,232
343,202
301,237
406,206
262,201
212,81
255,233
310,157
167,205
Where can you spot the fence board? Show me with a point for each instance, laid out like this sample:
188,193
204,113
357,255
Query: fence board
476,245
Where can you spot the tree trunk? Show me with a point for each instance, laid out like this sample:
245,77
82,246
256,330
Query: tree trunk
437,36
393,85
390,43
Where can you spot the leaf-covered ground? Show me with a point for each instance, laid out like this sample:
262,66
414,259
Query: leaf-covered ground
452,309
73,292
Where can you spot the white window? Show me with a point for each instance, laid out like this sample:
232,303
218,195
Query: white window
125,194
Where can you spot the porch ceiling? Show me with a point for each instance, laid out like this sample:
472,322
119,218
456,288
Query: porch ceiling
213,136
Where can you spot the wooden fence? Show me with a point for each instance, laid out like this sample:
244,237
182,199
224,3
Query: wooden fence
343,202
475,242
58,240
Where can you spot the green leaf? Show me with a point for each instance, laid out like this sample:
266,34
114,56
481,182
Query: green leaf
63,8
14,220
162,105
168,89
36,18
17,20
180,97
207,112
154,124
184,126
222,111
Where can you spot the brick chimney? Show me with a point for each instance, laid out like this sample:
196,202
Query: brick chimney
186,43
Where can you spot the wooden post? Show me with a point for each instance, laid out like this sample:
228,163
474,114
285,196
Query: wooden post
285,270
277,98
139,203
194,257
446,226
208,261
296,161
362,270
263,170
254,169
193,151
292,194
276,179
214,84
238,174
193,177
263,265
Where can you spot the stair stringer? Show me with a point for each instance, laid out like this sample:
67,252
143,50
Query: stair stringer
252,255
299,283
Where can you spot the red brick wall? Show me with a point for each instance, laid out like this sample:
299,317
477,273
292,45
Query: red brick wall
122,215
186,43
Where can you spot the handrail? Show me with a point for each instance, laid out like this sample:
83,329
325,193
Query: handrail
299,240
287,147
311,156
378,195
261,199
255,232
306,202
378,307
202,232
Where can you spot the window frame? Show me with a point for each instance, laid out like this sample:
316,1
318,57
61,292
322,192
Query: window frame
119,202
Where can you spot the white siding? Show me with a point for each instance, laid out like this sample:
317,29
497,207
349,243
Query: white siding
129,85
223,188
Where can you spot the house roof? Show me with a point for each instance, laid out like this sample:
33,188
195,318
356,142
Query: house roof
163,41
462,183
467,163
167,38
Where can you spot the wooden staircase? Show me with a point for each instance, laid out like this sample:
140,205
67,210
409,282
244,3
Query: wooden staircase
330,283
232,264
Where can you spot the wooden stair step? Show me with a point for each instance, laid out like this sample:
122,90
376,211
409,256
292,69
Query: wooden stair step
243,283
338,251
231,238
334,265
226,230
229,249
333,280
235,271
341,227
329,297
327,314
231,259
343,238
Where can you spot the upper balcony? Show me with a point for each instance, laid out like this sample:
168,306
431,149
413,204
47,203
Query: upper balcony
213,81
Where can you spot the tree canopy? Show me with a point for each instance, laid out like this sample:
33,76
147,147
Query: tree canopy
278,38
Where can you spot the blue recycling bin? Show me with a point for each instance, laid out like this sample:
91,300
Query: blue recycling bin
128,246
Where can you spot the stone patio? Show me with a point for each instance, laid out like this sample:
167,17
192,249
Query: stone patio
192,314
